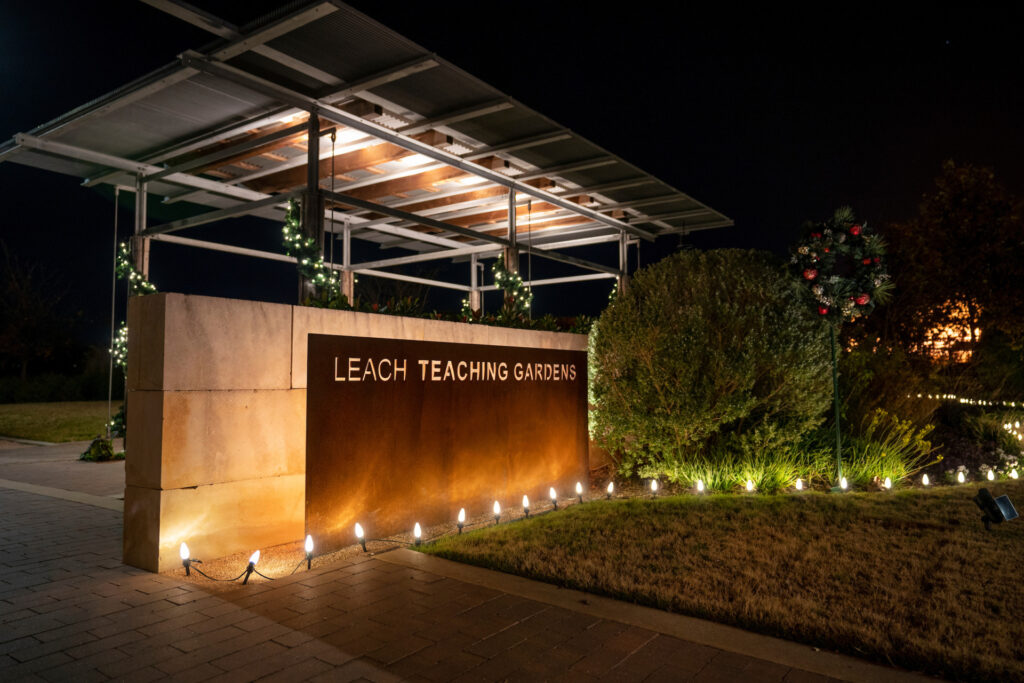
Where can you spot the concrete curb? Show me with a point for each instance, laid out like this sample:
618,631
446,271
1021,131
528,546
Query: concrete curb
30,442
719,636
74,496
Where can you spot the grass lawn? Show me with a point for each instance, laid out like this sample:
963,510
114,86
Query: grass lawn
908,577
72,421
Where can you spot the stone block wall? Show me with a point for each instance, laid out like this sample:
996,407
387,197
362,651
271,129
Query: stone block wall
216,405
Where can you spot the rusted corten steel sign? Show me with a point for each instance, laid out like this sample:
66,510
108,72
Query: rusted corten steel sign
400,431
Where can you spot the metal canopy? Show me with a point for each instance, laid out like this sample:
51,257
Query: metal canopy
413,152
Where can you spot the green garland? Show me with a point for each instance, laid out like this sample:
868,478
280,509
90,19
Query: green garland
125,269
842,263
310,263
516,304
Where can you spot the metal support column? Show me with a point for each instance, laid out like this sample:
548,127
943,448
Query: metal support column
348,276
623,278
312,205
474,283
511,252
140,244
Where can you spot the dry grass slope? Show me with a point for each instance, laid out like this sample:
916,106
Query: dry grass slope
909,577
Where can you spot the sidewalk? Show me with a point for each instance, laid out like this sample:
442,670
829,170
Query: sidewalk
69,610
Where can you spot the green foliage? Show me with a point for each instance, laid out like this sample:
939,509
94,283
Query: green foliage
101,450
310,264
125,269
886,446
701,348
117,423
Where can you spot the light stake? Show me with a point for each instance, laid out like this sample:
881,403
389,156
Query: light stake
611,489
253,559
887,483
417,532
186,559
991,475
924,480
579,491
842,483
700,486
497,512
799,484
361,536
309,552
1013,473
654,487
750,485
554,496
462,518
526,505
960,477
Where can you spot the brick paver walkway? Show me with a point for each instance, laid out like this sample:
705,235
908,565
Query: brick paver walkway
69,610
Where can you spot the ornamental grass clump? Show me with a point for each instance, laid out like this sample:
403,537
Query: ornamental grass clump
709,357
886,447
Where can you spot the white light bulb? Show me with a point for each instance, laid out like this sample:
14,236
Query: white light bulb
309,543
462,514
887,483
611,487
552,494
359,530
417,531
526,501
843,483
799,484
960,477
654,484
991,475
497,508
1013,474
254,558
183,551
924,479
700,486
750,485
579,489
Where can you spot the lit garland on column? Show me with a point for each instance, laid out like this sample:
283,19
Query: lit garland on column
137,282
310,263
518,296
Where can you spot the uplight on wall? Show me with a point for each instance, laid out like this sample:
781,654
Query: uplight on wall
579,491
309,552
417,533
497,512
360,536
554,496
526,505
186,558
253,559
610,489
462,518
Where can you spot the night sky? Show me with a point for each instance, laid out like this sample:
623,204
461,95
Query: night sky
770,117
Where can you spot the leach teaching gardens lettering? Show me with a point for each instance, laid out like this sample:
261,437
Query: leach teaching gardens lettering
355,369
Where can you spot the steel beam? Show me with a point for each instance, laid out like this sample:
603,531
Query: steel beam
429,256
515,145
455,116
221,214
568,168
288,96
227,248
380,78
559,280
410,278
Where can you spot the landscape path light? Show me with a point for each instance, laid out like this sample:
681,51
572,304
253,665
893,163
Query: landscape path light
991,475
417,533
462,518
799,484
610,489
887,483
960,478
186,559
579,491
253,559
925,480
361,536
554,496
654,487
750,485
843,483
526,505
1013,473
309,552
700,486
497,512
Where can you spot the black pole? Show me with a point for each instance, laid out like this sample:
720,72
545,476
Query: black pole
835,402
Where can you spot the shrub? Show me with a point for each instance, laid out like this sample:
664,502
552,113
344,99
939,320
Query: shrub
886,447
707,355
101,450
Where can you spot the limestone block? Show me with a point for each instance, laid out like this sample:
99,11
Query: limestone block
215,520
145,411
146,341
214,343
211,437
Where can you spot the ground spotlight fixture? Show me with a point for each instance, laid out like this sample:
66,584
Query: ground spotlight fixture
750,485
462,518
253,559
554,496
995,510
887,483
526,505
925,480
843,483
654,488
361,536
960,478
309,552
417,533
186,559
611,489
497,512
799,484
700,486
579,491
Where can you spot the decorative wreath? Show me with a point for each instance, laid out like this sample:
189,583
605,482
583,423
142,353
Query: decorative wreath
842,263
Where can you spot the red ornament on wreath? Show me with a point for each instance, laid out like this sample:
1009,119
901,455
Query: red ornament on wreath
862,299
810,274
855,230
823,310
